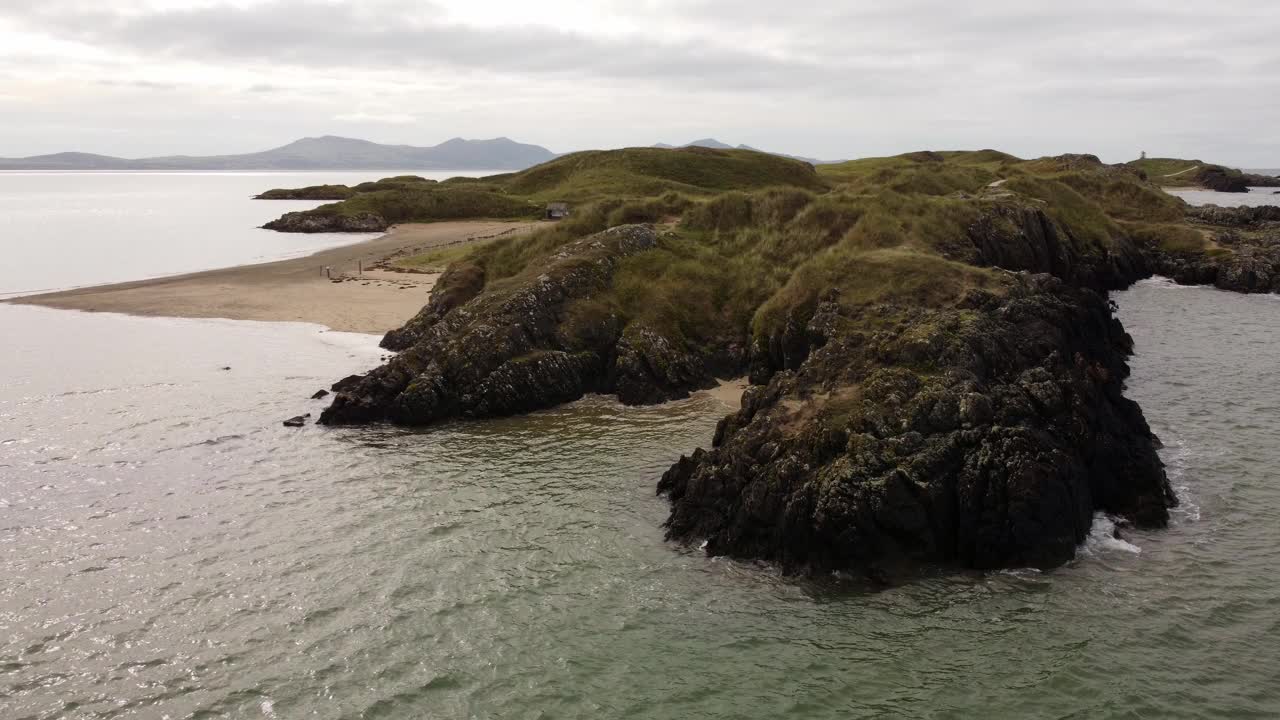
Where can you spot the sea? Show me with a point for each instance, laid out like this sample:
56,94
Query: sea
169,550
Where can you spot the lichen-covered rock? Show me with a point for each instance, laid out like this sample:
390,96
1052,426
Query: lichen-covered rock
311,222
1018,237
1245,257
501,351
650,368
1234,216
460,282
1220,180
984,435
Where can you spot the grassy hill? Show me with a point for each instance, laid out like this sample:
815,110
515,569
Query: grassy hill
755,240
649,172
580,178
1174,172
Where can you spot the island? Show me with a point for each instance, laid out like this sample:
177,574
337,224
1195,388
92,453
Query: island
936,374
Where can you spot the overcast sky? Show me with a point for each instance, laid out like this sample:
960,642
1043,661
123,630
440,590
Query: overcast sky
821,78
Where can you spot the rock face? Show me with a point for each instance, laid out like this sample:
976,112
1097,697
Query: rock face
510,350
1217,179
1246,260
1235,216
1017,237
302,222
985,436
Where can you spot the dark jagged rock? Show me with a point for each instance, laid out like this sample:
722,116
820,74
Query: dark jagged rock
310,222
1245,269
1247,256
1243,216
985,436
1017,237
297,420
504,351
458,285
346,383
320,394
1220,180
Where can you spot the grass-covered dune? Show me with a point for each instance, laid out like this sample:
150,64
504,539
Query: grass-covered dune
633,173
935,373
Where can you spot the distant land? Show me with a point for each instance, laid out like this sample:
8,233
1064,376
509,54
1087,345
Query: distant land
713,143
331,152
317,153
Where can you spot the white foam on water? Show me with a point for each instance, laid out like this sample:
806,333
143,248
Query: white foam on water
1177,458
1102,539
1164,283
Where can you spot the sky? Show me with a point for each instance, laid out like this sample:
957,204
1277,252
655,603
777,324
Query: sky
819,78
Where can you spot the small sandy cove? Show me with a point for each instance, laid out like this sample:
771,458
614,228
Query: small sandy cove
296,289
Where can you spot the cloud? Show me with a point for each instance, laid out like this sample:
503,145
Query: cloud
811,77
383,118
312,33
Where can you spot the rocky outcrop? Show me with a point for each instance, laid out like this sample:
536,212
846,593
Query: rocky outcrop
1238,267
1263,181
1243,216
509,349
312,222
313,192
1221,180
459,284
985,435
1018,237
1245,256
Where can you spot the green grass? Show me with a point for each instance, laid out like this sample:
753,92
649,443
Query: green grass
433,203
651,172
1168,172
312,192
437,259
751,244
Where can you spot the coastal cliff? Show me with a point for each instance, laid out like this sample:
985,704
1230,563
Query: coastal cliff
936,376
984,435
1238,249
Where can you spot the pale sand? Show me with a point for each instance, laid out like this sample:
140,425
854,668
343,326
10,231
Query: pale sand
293,290
728,392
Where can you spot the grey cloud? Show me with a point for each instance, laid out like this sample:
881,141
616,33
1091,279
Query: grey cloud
140,84
323,34
813,77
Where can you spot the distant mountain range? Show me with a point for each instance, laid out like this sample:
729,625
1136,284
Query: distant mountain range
319,153
713,143
339,153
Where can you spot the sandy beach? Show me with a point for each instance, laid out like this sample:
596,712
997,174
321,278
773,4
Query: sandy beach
296,289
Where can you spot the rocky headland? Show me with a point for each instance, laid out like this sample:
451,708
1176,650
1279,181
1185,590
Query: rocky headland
1173,172
936,373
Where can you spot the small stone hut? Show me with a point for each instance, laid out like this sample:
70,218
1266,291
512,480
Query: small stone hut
557,210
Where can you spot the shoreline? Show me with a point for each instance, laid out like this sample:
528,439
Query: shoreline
294,289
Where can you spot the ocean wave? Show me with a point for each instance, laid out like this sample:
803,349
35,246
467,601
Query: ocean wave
1103,538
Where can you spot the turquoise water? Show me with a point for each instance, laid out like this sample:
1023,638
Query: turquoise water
168,549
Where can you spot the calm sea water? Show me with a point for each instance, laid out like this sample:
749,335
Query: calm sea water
168,549
60,230
1253,198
